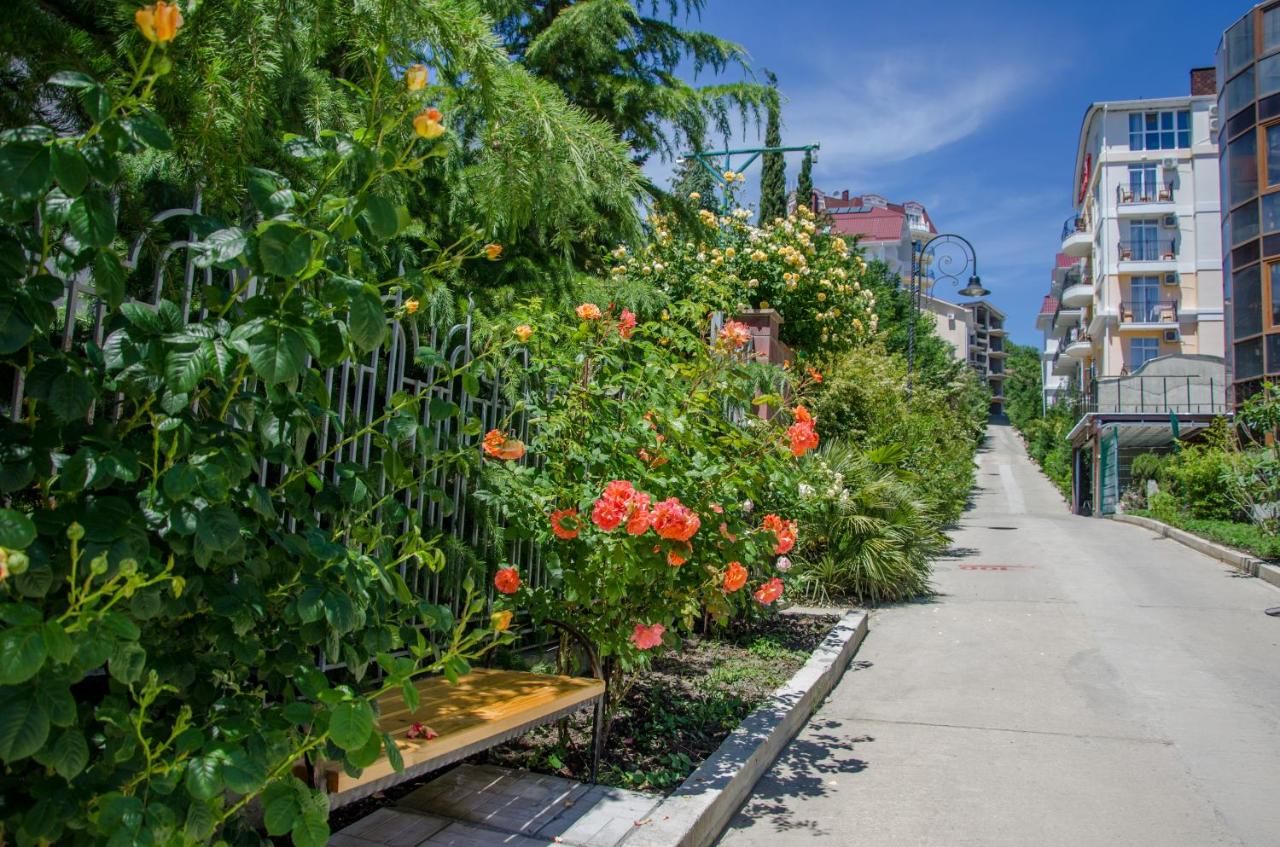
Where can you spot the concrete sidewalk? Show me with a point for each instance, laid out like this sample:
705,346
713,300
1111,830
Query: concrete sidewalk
1077,682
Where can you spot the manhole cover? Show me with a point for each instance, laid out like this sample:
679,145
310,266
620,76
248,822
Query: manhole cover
995,567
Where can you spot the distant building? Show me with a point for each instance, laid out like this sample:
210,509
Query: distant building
1054,385
884,230
953,323
1136,329
987,351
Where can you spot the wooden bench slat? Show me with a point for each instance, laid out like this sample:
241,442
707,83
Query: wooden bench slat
485,708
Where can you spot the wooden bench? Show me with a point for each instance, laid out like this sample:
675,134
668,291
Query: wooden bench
484,709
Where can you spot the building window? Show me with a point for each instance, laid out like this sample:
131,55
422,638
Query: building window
1246,302
1141,351
1244,221
1239,92
1242,169
1270,29
1160,130
1144,241
1271,153
1144,183
1273,287
1239,45
1144,299
1248,359
1269,76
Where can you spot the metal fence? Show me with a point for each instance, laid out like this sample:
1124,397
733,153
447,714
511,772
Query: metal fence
360,393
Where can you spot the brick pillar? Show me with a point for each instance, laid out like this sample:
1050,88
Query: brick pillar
766,327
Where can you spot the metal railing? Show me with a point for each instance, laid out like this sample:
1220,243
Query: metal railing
1183,395
1149,312
1074,224
1130,194
1148,250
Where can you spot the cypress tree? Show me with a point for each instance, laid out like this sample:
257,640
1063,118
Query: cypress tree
773,174
692,178
804,190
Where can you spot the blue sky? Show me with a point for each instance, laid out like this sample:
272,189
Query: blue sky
972,108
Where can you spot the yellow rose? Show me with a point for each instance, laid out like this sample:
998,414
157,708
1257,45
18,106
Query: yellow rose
501,620
411,306
523,332
416,77
159,23
428,124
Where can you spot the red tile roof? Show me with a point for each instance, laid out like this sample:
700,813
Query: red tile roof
870,220
1049,306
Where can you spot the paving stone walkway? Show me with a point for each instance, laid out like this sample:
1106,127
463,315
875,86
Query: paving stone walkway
487,806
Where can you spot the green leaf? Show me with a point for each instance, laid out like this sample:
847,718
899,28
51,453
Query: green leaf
393,752
184,368
25,169
56,642
380,214
241,774
92,220
441,409
284,249
471,384
16,530
146,127
351,724
70,754
312,827
22,653
108,278
278,353
15,328
69,396
200,823
24,724
72,79
69,169
225,245
368,321
179,482
204,777
127,663
281,809
218,527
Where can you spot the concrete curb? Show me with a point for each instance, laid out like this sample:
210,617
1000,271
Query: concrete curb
699,810
1240,561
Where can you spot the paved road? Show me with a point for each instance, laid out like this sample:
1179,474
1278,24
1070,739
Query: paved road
1111,688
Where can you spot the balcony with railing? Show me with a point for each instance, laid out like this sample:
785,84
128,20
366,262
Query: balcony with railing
1149,251
1146,199
1077,290
1145,314
1077,238
1077,344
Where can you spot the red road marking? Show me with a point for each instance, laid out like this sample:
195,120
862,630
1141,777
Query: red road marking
995,567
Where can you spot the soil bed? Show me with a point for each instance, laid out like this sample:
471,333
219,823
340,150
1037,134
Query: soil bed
678,710
675,715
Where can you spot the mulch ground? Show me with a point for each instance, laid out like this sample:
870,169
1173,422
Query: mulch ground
675,714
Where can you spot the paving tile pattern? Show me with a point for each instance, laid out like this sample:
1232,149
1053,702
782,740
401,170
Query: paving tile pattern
487,806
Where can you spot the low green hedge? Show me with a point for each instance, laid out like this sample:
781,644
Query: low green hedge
1241,536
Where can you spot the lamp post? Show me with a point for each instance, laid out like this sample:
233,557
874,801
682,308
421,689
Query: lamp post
946,257
719,162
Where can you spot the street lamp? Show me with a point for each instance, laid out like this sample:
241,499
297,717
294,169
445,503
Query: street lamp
946,257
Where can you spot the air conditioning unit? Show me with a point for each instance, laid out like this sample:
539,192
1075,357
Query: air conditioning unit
1213,120
1171,278
1169,163
1171,335
1169,221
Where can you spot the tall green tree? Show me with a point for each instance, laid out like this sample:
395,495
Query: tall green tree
773,170
624,61
1023,384
804,189
693,182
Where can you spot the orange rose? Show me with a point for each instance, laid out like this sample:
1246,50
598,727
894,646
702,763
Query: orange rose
735,576
626,323
523,332
159,23
565,524
501,621
493,252
498,445
769,592
411,306
588,312
507,580
675,521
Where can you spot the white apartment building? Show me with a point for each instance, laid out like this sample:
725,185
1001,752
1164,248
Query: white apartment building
1053,385
1144,272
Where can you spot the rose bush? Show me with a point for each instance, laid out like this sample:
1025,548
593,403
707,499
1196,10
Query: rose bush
813,279
642,466
179,550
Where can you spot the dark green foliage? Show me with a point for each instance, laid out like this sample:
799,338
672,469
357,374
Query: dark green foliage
1023,384
933,355
618,60
1146,466
773,173
804,188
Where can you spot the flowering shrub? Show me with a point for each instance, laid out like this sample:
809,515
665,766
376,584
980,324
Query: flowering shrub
638,484
179,550
813,279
